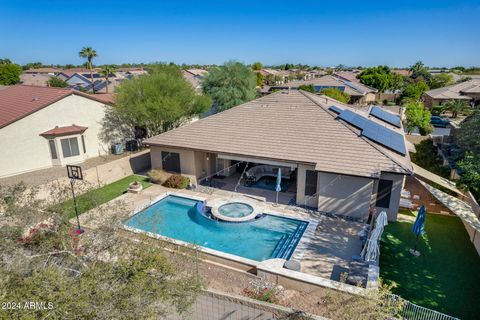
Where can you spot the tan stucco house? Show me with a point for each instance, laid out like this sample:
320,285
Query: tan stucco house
41,127
359,93
335,167
468,91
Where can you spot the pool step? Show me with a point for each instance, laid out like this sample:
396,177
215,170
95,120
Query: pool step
287,243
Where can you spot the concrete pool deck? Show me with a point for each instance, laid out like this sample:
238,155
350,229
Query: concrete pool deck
326,254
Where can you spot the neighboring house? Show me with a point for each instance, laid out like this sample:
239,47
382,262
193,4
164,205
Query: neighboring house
35,79
47,70
337,167
348,75
41,127
360,93
194,77
282,75
468,91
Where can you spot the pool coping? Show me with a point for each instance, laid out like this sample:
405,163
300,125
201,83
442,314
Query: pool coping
297,254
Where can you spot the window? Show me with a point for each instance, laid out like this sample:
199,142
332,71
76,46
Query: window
83,144
70,147
311,178
171,162
384,193
53,149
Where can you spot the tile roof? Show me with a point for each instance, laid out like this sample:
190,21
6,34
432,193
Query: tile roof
296,127
59,131
352,88
19,101
456,91
43,70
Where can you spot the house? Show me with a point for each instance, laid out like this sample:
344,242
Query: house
341,160
35,79
42,127
359,93
45,70
348,75
468,91
194,77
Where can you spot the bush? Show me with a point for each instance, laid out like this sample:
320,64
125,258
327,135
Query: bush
176,181
158,176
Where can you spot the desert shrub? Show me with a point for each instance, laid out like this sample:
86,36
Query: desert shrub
263,291
176,181
158,176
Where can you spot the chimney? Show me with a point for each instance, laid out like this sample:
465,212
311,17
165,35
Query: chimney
288,89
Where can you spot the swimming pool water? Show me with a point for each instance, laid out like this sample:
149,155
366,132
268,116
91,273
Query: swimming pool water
260,239
235,209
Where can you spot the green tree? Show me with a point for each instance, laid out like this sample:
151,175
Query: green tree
98,275
9,73
157,102
417,116
89,54
457,107
413,91
57,82
32,65
307,87
470,173
257,66
440,80
106,72
336,94
260,79
380,78
468,137
419,71
230,85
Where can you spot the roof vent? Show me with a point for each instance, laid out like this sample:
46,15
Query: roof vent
264,105
35,98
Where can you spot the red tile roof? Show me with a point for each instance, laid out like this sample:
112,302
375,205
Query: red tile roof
17,102
60,131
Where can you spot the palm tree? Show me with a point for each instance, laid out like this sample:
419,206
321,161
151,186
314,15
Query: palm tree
89,53
106,71
456,107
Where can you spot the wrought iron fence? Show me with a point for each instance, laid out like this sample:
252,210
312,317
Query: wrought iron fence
410,311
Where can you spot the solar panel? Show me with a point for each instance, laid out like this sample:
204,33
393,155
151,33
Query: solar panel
335,109
375,132
386,116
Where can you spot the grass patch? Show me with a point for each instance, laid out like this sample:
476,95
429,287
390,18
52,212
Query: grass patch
406,212
445,277
94,198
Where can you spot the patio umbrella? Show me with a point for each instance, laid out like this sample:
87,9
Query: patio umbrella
418,228
371,250
278,187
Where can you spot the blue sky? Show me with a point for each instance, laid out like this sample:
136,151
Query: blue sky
326,33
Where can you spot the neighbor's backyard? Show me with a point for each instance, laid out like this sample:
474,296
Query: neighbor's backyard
445,277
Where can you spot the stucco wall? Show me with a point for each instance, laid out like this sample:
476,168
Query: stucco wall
398,182
345,195
187,161
23,149
301,198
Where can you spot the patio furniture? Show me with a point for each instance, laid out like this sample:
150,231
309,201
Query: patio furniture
255,173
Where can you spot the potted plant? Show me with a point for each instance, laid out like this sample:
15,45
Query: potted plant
135,187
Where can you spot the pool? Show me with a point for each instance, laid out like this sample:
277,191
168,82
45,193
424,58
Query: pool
260,239
235,209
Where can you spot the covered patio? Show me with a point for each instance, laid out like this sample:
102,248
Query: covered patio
254,177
